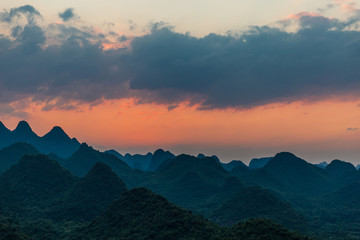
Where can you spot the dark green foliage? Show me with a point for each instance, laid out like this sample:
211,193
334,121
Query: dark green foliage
33,180
8,232
255,202
189,181
12,154
90,196
263,229
142,215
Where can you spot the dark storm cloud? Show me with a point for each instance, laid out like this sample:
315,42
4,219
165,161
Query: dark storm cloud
263,65
67,15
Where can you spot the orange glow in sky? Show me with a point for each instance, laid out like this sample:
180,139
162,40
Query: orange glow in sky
325,129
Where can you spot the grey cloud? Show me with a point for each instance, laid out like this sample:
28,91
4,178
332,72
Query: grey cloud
27,10
352,129
263,65
67,15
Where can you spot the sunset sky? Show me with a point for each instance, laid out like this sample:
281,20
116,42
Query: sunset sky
236,79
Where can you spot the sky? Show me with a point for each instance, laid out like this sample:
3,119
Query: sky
236,79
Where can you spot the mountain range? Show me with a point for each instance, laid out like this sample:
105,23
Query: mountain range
89,194
56,141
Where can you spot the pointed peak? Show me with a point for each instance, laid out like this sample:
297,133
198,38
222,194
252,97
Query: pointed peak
58,130
23,126
57,133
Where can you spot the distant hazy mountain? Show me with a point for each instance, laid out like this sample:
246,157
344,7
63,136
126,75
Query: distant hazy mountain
233,164
297,175
158,158
149,162
240,170
322,165
287,173
56,141
338,168
86,157
138,161
89,197
12,154
201,155
116,153
259,162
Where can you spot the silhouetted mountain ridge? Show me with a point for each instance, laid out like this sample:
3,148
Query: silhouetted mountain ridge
56,141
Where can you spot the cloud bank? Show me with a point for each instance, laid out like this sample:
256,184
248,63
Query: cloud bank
61,64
